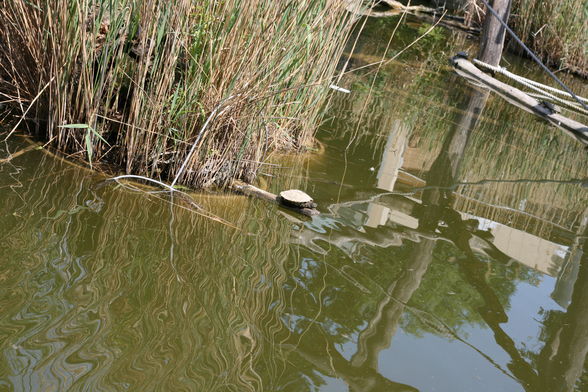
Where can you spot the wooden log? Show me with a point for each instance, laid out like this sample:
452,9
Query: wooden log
521,99
250,190
493,32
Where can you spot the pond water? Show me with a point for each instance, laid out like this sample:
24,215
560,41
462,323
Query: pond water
450,254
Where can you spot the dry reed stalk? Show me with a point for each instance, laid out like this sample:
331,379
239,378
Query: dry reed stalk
145,75
555,30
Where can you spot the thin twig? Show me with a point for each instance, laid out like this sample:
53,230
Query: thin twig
29,108
189,156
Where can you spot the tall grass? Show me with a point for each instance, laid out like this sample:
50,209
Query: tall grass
556,30
145,75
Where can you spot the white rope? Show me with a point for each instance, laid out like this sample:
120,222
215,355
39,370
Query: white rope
505,72
538,87
569,104
533,55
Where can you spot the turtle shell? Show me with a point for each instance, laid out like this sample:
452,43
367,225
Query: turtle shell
296,198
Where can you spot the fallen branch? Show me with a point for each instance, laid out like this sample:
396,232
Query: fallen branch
425,14
410,8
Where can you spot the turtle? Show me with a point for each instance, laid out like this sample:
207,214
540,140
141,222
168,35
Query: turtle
296,198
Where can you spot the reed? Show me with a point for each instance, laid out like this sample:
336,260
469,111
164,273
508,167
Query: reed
557,30
133,82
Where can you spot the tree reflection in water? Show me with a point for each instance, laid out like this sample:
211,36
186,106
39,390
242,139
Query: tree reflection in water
557,367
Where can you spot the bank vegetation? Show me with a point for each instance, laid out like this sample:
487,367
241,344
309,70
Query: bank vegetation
137,83
556,30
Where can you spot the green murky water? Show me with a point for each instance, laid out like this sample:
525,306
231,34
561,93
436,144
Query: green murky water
450,255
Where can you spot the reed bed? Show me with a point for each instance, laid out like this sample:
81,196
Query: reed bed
139,83
555,30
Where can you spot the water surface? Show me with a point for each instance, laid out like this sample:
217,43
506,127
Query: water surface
450,254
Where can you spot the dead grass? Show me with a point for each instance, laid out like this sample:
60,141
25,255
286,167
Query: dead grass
144,76
555,30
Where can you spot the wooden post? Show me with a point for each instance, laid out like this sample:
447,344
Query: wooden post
492,39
